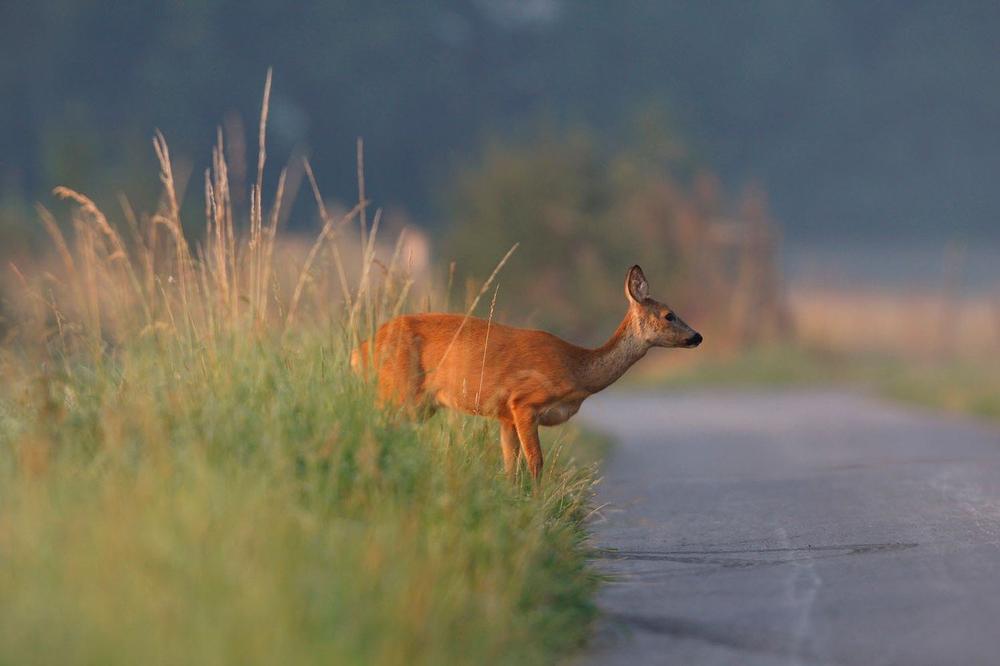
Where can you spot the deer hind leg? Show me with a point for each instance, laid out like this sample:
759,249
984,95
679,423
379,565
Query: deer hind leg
526,424
511,447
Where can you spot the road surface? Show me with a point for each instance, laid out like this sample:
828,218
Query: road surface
805,527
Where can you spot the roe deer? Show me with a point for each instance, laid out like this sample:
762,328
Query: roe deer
523,378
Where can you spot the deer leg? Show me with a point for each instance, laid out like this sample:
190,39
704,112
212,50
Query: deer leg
527,431
511,447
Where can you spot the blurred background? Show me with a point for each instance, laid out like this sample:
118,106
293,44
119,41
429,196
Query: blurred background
818,178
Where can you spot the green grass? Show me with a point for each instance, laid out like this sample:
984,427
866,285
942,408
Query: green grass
190,473
244,504
765,366
970,388
962,386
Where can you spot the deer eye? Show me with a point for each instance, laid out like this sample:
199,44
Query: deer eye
671,317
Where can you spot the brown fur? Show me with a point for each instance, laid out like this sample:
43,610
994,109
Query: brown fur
522,377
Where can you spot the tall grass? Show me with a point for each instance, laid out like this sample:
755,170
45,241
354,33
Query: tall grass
189,473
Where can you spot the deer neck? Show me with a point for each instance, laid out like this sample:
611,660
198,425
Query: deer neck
604,365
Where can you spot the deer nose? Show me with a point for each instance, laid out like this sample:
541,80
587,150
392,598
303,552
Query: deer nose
694,340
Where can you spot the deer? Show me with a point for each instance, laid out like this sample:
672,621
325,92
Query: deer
523,378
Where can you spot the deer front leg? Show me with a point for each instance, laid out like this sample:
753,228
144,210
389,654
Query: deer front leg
526,423
511,447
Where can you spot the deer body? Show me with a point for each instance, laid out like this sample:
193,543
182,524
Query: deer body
523,378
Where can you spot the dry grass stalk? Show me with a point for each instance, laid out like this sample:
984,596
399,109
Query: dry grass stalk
52,229
171,220
218,216
360,151
486,343
391,274
329,227
363,292
475,301
329,230
256,205
267,248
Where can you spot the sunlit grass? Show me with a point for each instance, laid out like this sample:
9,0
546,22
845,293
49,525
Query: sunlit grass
257,510
190,473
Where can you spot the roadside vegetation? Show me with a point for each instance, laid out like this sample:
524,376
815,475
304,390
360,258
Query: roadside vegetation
189,472
964,386
586,212
929,347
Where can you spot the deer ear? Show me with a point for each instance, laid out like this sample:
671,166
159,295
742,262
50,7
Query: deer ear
636,287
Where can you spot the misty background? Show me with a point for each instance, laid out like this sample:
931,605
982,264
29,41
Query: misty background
873,129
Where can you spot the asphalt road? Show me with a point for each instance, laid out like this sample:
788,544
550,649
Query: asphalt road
795,528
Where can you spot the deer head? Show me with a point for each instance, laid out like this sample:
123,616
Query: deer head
654,322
